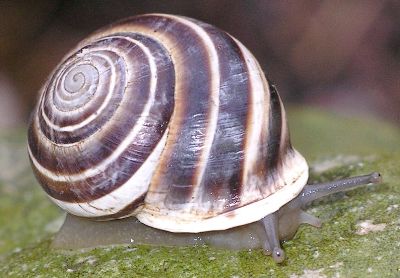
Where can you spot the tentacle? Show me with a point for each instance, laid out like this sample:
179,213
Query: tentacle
307,218
271,228
315,191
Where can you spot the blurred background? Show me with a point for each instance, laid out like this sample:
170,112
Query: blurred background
342,56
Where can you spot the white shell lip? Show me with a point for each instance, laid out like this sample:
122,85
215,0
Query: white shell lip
174,221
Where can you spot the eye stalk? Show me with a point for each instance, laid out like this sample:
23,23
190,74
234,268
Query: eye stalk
316,191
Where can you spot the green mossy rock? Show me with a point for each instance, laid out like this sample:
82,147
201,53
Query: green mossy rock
360,236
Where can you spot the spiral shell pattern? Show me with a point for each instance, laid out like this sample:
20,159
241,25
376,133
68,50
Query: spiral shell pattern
166,118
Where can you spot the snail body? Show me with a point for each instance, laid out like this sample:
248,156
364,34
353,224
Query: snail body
170,120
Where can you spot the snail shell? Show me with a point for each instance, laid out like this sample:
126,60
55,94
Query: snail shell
168,119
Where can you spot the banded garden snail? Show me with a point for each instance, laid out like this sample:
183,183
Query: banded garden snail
171,120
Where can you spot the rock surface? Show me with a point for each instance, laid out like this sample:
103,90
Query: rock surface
360,236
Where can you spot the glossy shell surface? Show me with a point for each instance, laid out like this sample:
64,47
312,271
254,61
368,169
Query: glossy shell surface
166,118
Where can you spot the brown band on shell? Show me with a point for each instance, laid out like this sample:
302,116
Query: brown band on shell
222,182
178,170
275,131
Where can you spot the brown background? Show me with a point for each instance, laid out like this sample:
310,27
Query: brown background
338,55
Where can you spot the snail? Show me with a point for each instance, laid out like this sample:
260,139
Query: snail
171,120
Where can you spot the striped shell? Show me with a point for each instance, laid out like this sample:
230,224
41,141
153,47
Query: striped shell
166,118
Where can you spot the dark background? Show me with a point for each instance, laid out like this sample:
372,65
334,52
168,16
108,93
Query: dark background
342,56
